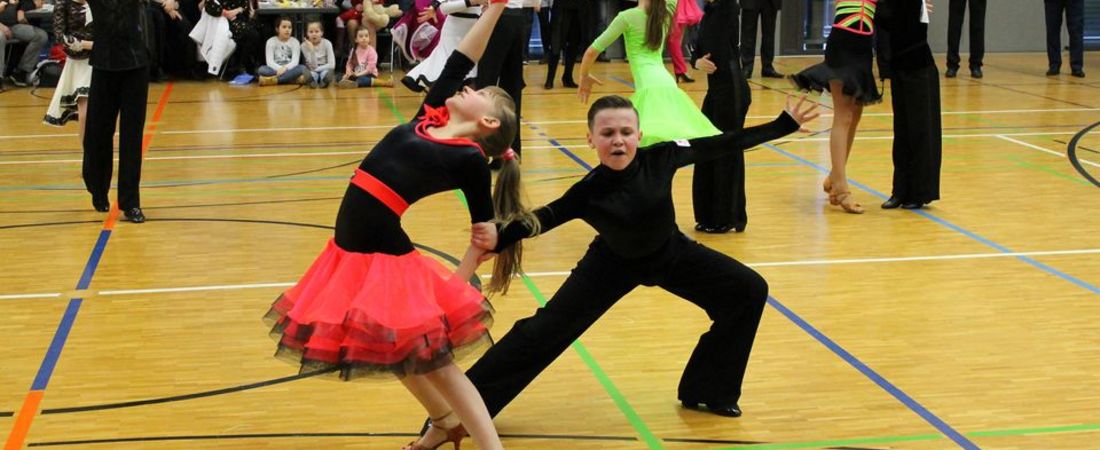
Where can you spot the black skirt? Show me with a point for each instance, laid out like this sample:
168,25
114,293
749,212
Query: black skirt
848,59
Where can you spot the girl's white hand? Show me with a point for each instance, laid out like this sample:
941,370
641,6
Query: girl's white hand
585,88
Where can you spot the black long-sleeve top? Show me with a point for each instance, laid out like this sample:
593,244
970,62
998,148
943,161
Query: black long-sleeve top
120,27
908,36
632,209
69,21
718,36
415,166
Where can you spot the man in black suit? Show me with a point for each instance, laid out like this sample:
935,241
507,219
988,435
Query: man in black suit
1075,22
120,87
763,11
955,13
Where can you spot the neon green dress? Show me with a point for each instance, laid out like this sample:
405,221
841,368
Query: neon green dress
666,113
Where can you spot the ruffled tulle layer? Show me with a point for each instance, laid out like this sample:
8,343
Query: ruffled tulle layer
847,59
858,84
667,113
371,314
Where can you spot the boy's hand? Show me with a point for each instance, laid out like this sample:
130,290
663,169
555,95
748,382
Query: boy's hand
800,114
706,65
483,235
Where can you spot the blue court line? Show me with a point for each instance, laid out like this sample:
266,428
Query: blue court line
93,260
961,230
560,147
904,398
889,387
45,371
621,81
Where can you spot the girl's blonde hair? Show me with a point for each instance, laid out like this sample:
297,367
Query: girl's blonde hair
508,203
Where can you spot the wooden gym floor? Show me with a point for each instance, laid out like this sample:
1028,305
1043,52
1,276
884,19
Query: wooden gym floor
974,323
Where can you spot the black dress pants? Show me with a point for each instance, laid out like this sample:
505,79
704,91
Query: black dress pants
568,24
955,13
1074,11
918,136
718,186
502,63
120,95
732,295
766,17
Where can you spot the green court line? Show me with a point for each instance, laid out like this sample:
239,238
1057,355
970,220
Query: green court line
839,442
1056,173
919,437
1040,430
632,416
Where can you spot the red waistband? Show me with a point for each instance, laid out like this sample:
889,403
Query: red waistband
379,190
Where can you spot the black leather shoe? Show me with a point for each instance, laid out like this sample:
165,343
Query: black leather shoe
951,72
410,83
549,84
769,72
134,215
976,72
1079,73
721,410
892,203
569,83
912,205
1053,71
101,204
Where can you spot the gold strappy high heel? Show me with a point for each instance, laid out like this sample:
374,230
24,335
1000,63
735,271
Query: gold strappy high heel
844,199
454,435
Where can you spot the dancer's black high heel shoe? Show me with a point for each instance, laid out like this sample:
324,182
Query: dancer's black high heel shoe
683,78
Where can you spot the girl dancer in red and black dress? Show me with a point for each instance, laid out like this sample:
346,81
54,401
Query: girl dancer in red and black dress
372,304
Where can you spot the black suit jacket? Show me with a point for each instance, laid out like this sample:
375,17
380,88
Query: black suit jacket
120,29
760,4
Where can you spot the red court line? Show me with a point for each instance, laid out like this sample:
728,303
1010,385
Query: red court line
29,410
23,420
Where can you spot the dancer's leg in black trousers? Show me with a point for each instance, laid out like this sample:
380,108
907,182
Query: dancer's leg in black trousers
733,296
103,106
598,281
134,90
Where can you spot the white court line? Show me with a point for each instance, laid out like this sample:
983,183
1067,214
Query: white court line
1045,150
808,262
372,127
279,155
19,296
223,287
890,114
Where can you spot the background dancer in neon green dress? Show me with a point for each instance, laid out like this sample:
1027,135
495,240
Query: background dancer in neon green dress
666,113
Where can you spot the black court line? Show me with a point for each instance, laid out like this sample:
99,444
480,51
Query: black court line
982,83
47,224
176,398
1071,153
203,205
345,164
1080,147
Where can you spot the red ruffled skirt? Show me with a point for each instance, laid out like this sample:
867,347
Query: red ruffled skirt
362,314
